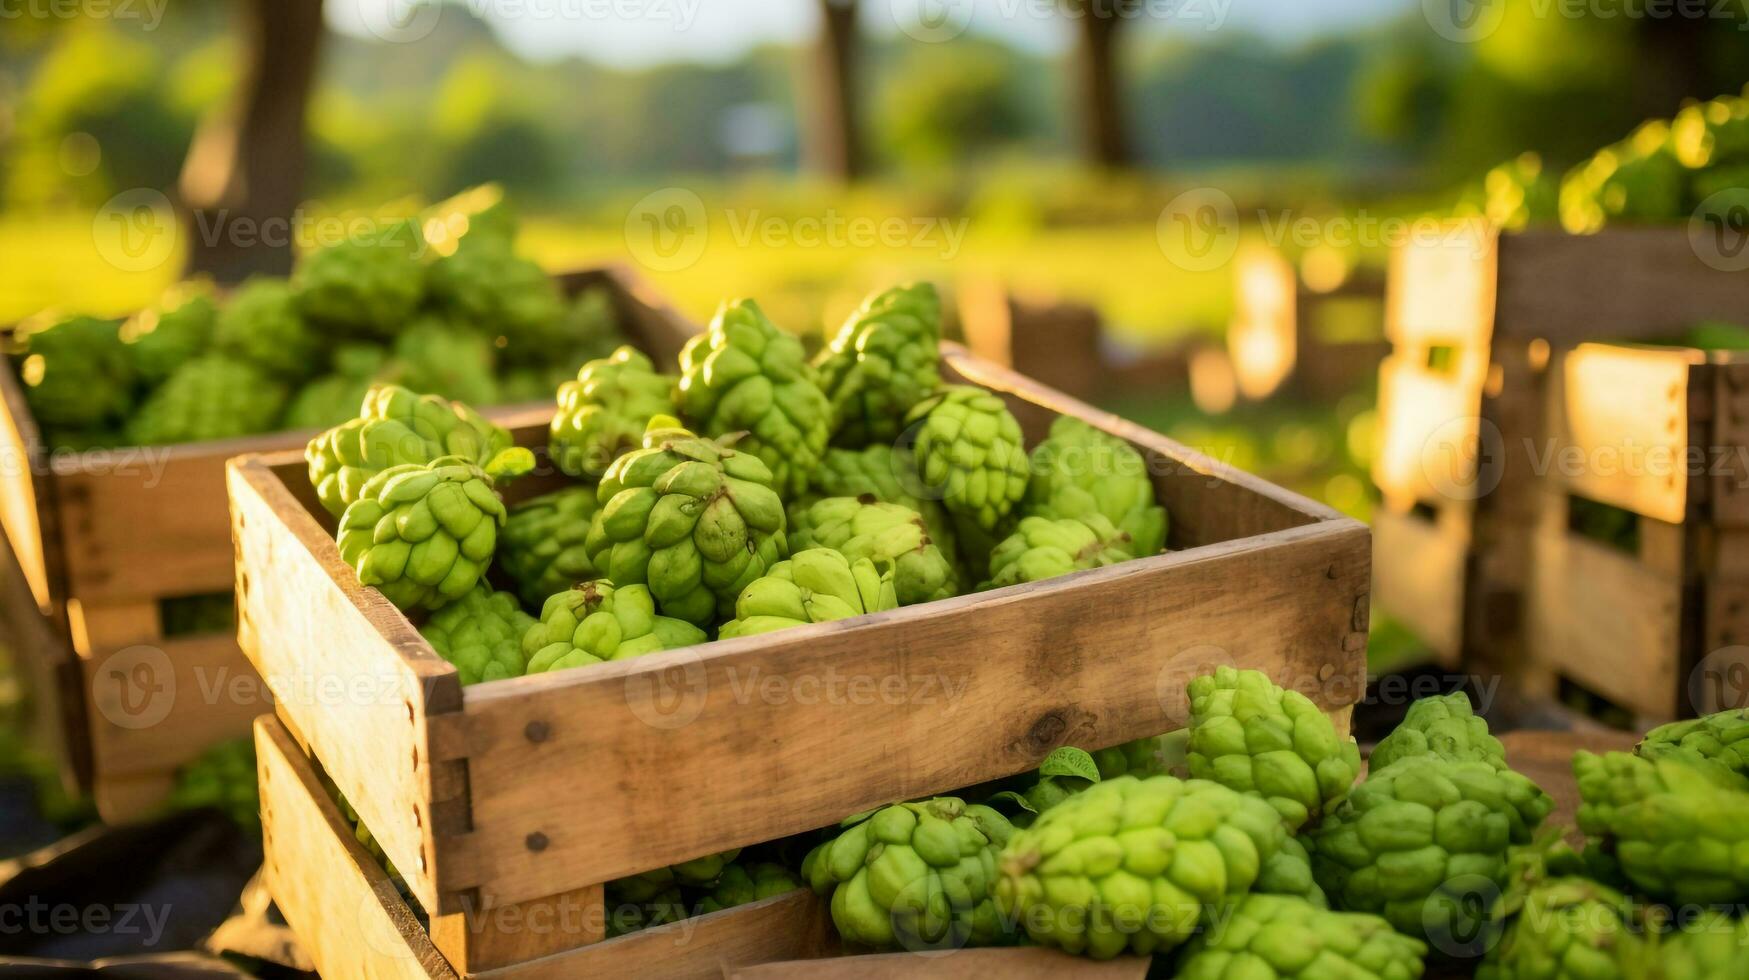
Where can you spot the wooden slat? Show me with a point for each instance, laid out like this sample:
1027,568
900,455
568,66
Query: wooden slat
44,665
1419,575
352,922
1640,283
343,908
491,937
1429,434
26,512
1607,621
1619,418
727,739
154,707
1729,469
1440,290
351,674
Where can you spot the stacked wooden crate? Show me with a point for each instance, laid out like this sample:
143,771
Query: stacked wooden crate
100,541
1296,337
512,802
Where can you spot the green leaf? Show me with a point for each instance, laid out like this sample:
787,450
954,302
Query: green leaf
1010,796
1070,761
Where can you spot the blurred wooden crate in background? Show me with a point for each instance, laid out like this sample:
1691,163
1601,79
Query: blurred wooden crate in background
1311,333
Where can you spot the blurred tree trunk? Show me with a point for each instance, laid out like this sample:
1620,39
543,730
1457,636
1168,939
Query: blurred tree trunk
1673,56
1102,118
834,140
245,172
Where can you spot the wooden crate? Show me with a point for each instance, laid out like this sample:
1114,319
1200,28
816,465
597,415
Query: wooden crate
103,537
1281,338
352,921
1662,433
519,790
1052,340
1489,311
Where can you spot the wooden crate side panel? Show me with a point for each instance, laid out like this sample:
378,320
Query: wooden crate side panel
355,680
1728,459
1429,434
342,907
1719,677
1208,501
154,707
1607,621
1440,289
1620,421
1418,576
48,673
565,769
1631,283
26,510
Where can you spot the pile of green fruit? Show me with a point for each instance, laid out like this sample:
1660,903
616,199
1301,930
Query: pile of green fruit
1663,172
751,491
439,303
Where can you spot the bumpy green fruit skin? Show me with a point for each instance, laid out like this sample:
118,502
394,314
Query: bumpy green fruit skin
969,448
76,373
915,876
1443,726
175,331
817,585
1080,470
1134,865
890,534
222,777
486,284
1250,735
368,286
260,324
691,518
1722,737
397,427
423,534
888,475
1289,872
436,357
743,374
211,397
1273,937
744,884
481,634
1044,547
596,622
1564,929
602,415
542,545
644,901
884,360
1415,841
1713,946
1676,824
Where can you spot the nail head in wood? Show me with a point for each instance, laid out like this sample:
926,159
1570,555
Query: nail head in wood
537,731
536,841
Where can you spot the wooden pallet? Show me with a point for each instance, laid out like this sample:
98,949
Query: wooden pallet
103,537
1663,433
520,790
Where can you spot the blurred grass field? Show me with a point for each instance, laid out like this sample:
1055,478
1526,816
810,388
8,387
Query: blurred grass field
53,262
